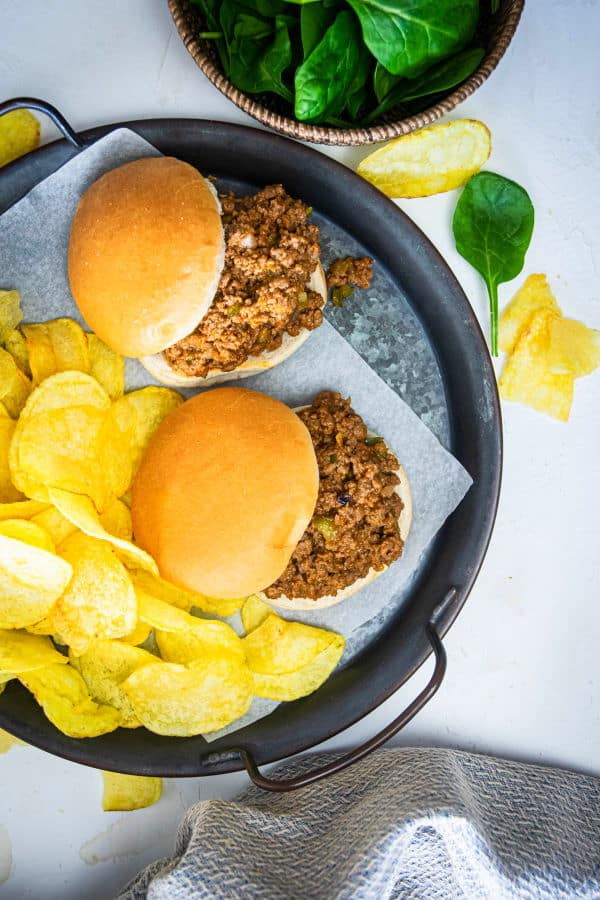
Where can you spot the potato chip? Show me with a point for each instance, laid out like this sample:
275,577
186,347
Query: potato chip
80,511
198,642
151,405
11,313
62,693
56,441
107,367
22,509
184,599
64,390
185,700
22,652
19,134
533,295
8,492
29,532
159,614
140,633
574,348
526,377
254,612
56,346
14,343
15,387
100,601
277,647
429,161
115,443
8,740
104,667
293,685
45,627
127,792
200,635
58,527
116,519
31,581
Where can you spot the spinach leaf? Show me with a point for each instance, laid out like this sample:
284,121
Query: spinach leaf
227,17
266,8
492,225
356,102
251,27
210,12
358,89
445,76
258,59
209,9
440,79
408,36
315,19
384,82
232,10
323,80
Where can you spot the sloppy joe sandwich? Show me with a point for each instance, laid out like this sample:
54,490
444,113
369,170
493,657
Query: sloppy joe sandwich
202,288
237,494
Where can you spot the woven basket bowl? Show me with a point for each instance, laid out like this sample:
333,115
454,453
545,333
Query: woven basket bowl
265,108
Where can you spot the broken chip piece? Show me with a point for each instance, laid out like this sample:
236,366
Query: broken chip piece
19,134
122,793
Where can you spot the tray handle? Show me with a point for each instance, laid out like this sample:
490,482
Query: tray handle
432,630
48,110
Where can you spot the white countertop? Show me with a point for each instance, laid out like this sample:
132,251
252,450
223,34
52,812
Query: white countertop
524,662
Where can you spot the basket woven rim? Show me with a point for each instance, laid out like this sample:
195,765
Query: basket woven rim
508,17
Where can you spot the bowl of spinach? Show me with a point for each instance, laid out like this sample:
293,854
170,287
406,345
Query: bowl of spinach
346,71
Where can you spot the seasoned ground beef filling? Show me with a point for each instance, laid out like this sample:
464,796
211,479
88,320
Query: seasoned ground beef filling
355,525
270,254
350,270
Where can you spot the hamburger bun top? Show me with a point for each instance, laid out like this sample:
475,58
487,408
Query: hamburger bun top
146,254
225,491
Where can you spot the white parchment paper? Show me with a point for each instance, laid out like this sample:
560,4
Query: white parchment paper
34,236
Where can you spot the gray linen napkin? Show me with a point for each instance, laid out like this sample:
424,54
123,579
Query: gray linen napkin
403,823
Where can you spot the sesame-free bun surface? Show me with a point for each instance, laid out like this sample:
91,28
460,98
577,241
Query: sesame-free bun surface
146,254
160,369
225,491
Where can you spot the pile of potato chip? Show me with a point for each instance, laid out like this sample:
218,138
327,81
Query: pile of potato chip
546,351
77,596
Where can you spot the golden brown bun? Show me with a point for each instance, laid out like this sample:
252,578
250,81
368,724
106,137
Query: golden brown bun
306,603
146,254
160,369
225,491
